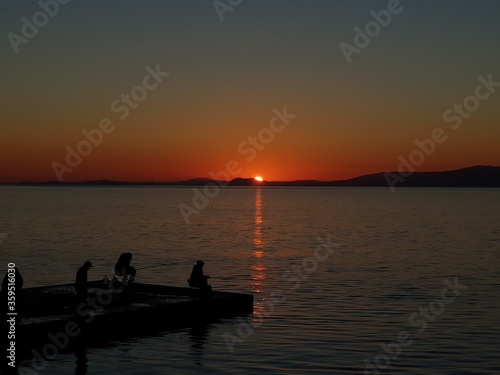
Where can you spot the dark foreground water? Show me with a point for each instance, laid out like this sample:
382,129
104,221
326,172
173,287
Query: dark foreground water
347,281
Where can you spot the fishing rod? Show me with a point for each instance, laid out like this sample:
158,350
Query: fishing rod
163,264
172,263
157,265
151,266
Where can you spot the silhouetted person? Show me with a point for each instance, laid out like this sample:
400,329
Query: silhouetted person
198,279
124,269
81,284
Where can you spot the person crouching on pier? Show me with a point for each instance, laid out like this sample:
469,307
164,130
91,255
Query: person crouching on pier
124,269
200,280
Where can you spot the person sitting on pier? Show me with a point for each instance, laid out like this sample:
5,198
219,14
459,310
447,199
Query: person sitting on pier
81,284
124,269
198,279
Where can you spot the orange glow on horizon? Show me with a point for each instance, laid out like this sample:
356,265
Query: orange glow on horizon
33,162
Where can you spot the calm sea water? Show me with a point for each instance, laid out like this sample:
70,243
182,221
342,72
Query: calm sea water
380,277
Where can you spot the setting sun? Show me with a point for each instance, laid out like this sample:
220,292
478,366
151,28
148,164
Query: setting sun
258,178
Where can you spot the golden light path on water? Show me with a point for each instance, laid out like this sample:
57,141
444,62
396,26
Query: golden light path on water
258,267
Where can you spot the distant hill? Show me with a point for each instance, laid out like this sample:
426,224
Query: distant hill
477,176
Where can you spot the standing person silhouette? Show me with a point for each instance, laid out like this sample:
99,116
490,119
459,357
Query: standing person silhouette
81,281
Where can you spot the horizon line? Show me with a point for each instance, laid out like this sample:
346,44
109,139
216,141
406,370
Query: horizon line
208,179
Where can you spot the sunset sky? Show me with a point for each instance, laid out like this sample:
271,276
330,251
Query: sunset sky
229,78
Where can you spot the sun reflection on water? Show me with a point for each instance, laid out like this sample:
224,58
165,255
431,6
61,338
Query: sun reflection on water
258,267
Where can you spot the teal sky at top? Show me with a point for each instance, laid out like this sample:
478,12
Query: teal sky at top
265,54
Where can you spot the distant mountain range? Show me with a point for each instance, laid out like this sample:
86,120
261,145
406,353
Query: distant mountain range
477,176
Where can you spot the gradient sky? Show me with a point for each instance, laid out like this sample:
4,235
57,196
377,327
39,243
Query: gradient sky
227,77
